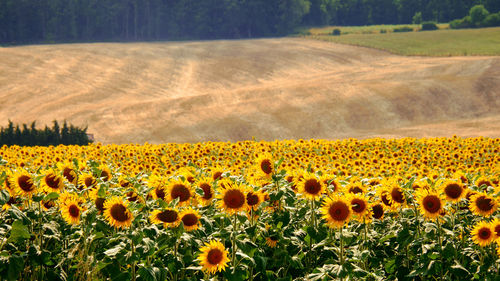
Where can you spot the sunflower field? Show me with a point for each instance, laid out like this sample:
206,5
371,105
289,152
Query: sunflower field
376,209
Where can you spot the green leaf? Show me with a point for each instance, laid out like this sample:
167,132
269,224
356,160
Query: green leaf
114,251
236,276
19,231
16,266
146,273
51,196
390,266
459,270
4,196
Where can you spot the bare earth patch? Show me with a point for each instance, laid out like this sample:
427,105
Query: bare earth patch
287,88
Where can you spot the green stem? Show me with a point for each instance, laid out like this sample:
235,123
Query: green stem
233,238
341,249
440,247
341,246
365,238
133,264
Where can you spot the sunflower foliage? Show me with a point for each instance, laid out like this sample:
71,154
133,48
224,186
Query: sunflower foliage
408,209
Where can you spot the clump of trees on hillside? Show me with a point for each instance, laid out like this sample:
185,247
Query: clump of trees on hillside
30,136
478,17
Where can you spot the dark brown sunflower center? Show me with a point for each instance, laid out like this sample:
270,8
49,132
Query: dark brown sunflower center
355,190
397,195
312,186
252,199
89,181
453,190
497,229
69,174
217,175
484,204
432,204
484,233
266,166
214,256
8,183
119,213
483,182
74,211
26,183
168,216
105,175
190,179
207,191
52,181
234,199
180,191
99,203
49,204
358,205
131,196
339,211
124,183
385,200
378,211
189,219
160,193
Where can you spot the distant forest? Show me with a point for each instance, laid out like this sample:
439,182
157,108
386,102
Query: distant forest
46,21
31,136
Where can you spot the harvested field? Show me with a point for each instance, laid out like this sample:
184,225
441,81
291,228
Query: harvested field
287,88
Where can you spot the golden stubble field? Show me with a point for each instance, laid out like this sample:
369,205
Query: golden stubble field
286,88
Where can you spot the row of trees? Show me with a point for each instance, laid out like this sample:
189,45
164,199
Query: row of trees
30,136
27,21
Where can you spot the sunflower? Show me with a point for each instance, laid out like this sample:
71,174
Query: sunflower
482,234
311,187
217,173
396,195
47,205
264,165
52,182
87,181
179,189
336,211
71,210
495,226
205,184
356,188
213,257
99,204
359,206
453,190
187,174
116,212
254,198
169,217
190,218
483,180
23,183
105,173
430,202
482,204
272,241
68,172
377,210
232,198
7,184
332,184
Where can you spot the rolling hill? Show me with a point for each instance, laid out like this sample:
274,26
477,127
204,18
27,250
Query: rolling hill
238,89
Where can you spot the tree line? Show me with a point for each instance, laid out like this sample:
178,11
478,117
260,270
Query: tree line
30,136
38,21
